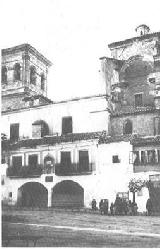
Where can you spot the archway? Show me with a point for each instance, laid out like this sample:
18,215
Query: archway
32,194
68,194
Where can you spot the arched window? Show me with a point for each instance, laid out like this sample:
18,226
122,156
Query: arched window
40,129
33,75
42,81
127,128
17,71
4,74
49,164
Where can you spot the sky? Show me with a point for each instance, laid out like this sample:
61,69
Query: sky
74,34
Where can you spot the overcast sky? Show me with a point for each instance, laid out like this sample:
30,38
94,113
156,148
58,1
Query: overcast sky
74,34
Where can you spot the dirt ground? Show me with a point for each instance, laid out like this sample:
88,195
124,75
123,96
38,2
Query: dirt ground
60,228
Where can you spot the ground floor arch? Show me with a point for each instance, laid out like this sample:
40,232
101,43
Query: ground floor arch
32,194
68,194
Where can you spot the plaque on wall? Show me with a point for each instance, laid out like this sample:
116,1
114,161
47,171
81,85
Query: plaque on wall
49,179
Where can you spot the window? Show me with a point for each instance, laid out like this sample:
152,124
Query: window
17,71
115,159
66,125
127,128
143,157
10,194
17,162
151,156
83,160
157,126
14,132
152,80
138,99
136,158
65,159
33,161
4,74
42,81
33,75
40,129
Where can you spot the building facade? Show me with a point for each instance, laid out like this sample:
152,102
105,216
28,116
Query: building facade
66,153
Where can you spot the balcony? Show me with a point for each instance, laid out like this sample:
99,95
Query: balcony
146,166
73,169
25,171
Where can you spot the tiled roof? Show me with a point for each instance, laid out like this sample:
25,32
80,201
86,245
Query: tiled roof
146,140
133,110
101,137
147,36
51,140
104,139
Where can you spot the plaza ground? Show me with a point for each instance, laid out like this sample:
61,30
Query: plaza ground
66,228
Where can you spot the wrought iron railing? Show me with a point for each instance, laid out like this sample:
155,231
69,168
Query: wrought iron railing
73,169
25,171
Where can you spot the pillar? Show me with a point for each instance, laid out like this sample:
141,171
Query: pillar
50,197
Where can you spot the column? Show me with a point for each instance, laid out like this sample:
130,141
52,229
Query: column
49,197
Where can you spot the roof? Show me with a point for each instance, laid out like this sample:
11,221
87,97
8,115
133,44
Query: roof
26,47
146,140
51,140
134,110
147,36
101,137
51,102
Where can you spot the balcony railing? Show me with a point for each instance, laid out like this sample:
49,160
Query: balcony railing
73,169
25,171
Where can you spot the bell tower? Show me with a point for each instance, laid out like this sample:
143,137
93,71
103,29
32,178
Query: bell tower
24,74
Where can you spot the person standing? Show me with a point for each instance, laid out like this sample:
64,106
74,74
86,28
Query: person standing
149,207
94,203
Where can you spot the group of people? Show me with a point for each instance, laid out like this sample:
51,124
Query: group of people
119,207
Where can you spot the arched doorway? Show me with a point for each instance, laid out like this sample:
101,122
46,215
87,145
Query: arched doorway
32,194
68,194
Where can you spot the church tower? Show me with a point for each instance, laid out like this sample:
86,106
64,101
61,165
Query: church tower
24,77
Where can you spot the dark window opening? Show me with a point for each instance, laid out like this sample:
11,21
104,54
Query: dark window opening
152,80
157,126
10,194
151,156
2,182
3,160
17,71
4,74
136,159
14,132
33,161
65,159
143,157
33,75
17,161
83,161
42,81
66,125
127,129
138,100
115,159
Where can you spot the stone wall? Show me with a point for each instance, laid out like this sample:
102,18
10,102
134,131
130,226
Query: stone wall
143,124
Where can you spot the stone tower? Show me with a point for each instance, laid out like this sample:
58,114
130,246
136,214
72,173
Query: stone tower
24,77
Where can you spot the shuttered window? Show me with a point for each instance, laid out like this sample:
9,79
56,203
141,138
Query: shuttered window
14,132
83,160
66,125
